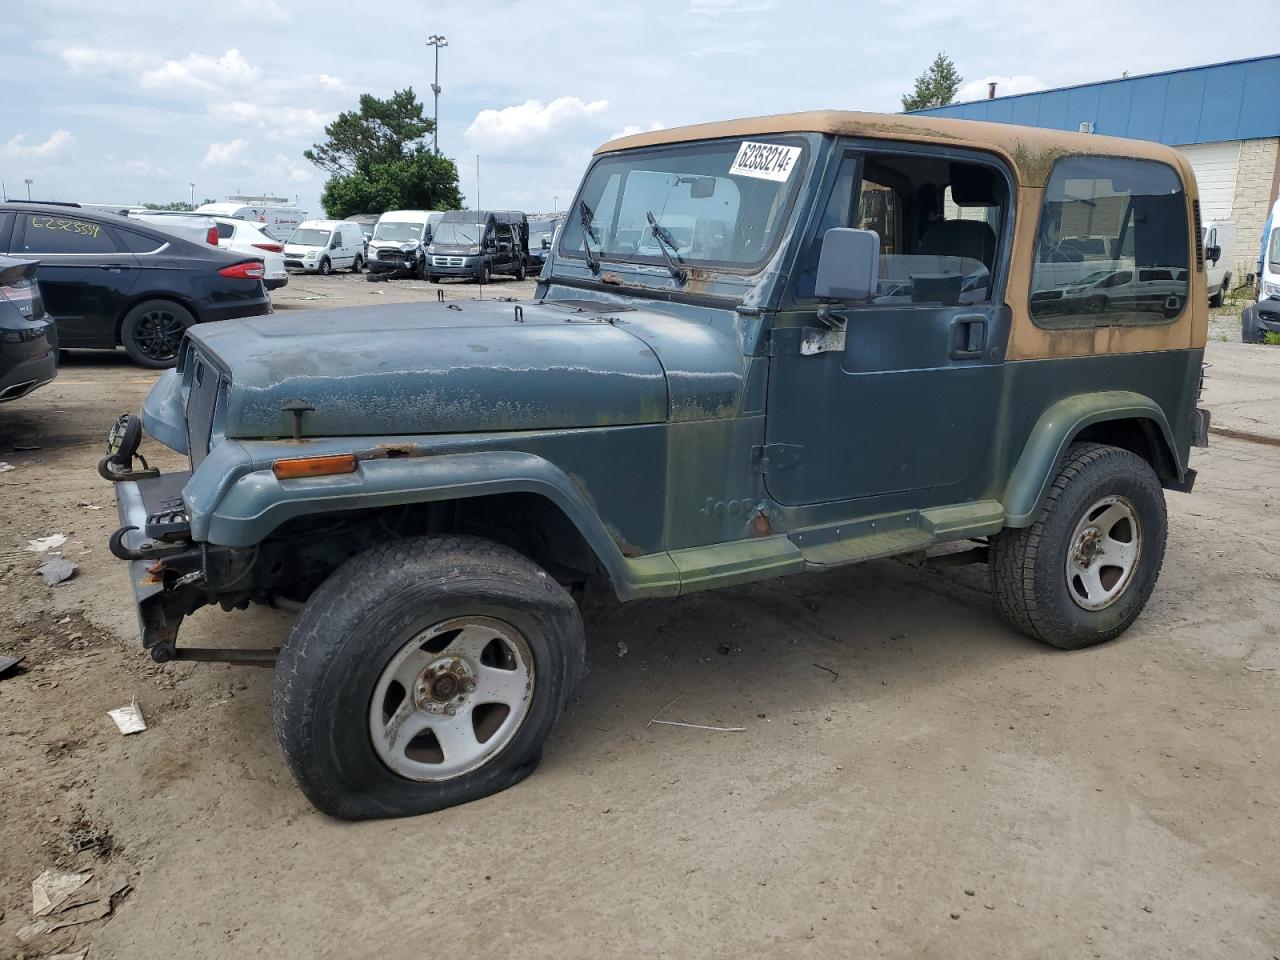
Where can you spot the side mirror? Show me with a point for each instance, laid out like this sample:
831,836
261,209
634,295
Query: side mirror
1213,254
849,265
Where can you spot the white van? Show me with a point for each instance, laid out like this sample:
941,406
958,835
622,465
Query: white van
274,220
323,246
1221,235
1263,317
399,241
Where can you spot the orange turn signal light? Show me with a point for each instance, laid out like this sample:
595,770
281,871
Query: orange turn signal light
314,466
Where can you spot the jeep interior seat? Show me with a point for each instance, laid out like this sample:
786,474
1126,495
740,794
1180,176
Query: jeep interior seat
960,238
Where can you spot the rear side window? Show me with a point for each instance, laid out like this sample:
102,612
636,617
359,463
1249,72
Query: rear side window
1112,246
225,231
140,242
45,233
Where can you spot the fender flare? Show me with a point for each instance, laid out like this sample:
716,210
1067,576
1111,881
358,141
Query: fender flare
256,503
1054,431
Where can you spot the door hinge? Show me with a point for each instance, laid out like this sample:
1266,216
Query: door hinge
775,457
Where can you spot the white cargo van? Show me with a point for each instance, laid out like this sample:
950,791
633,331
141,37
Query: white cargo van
399,241
1263,317
323,246
1218,237
274,220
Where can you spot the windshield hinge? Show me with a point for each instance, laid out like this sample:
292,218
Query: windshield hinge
775,457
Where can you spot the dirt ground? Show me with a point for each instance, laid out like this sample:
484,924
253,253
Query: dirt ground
915,779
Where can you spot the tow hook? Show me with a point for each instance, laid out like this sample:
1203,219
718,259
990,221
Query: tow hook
148,551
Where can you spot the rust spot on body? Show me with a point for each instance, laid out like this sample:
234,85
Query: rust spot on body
761,525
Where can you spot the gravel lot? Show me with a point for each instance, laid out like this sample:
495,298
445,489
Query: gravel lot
915,778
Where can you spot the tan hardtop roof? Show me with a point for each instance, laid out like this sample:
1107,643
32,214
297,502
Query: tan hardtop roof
1031,151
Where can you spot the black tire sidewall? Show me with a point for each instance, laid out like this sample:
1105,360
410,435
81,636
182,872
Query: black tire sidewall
130,320
325,730
326,267
1120,474
357,264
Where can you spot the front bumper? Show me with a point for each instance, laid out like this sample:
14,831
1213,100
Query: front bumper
1259,318
148,589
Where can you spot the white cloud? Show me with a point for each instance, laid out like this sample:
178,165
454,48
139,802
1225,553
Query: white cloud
226,154
633,128
499,131
1005,87
332,83
85,59
277,121
52,149
292,170
199,71
736,8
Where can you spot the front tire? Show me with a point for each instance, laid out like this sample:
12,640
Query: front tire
152,331
326,267
1085,568
422,674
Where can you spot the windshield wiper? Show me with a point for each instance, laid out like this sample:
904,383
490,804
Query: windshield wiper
585,215
664,238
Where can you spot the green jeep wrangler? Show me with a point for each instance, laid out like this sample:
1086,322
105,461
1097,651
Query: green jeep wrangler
758,347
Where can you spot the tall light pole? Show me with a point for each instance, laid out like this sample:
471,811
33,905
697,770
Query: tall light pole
193,195
28,181
437,41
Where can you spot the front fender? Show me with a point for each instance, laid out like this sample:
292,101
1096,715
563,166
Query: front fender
1056,428
162,415
256,502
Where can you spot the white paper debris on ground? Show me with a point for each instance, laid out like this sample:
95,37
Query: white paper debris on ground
33,929
53,888
41,544
128,719
6,467
85,913
77,955
56,570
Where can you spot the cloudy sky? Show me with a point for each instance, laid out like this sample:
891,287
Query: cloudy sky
134,100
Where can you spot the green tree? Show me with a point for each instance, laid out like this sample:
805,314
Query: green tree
378,159
173,205
936,87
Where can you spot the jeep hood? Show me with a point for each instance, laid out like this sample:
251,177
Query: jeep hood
430,368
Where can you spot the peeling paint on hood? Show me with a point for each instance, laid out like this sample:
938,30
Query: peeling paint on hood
433,368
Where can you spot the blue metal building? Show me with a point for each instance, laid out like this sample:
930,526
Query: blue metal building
1225,117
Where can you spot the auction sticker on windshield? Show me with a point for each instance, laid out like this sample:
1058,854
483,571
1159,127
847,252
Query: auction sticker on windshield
764,161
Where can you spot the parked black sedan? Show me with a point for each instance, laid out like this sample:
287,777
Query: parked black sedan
28,336
109,281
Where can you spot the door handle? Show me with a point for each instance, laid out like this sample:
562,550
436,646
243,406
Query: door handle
112,269
968,337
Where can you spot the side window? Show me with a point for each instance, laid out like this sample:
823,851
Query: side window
1112,245
225,231
503,231
139,242
940,223
44,233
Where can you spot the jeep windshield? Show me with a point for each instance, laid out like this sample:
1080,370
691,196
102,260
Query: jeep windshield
458,234
722,203
398,231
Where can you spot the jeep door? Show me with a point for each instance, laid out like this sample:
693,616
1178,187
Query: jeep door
86,272
893,402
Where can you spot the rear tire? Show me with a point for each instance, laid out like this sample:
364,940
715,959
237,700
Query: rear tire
521,273
152,331
1072,579
357,265
340,706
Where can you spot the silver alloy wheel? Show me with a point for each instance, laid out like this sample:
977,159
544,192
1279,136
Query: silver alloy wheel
1103,553
451,698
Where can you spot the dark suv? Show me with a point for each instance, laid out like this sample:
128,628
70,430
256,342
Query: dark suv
479,243
109,281
28,337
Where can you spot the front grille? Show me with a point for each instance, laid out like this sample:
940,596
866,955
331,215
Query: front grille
207,384
448,261
292,263
394,256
